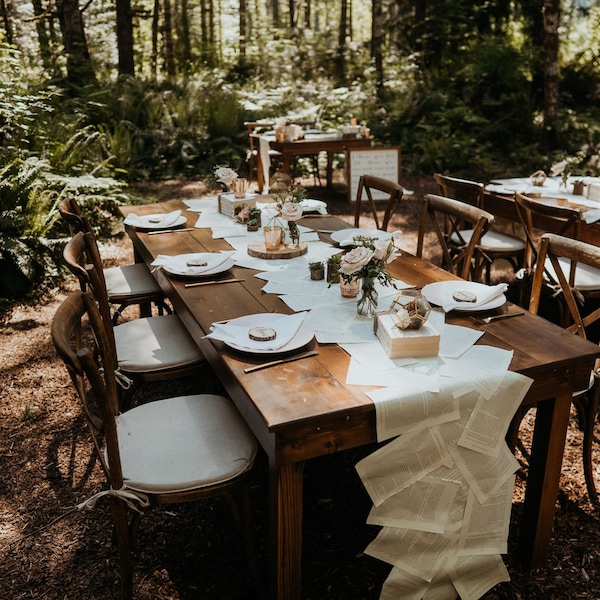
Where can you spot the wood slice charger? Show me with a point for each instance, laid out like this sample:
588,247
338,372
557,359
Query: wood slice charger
259,250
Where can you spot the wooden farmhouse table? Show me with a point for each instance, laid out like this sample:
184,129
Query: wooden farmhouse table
303,410
503,205
309,145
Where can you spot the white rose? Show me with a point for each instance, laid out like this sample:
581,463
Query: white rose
291,211
226,175
355,260
381,249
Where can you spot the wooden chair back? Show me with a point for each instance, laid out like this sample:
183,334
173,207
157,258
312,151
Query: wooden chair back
464,190
80,340
551,248
368,183
563,220
446,216
83,260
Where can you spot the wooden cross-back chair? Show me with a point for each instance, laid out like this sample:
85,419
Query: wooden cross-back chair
174,450
127,285
370,183
494,245
566,255
562,220
446,217
148,349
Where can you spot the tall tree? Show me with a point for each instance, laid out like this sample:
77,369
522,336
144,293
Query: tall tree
551,13
243,13
125,37
377,35
340,58
42,20
6,22
168,39
80,71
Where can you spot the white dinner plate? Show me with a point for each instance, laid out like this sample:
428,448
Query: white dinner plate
303,336
433,293
149,226
185,271
347,234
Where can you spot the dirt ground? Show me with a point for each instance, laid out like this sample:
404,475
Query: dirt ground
49,550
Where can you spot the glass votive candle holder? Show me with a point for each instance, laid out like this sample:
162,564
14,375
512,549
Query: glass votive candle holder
240,187
349,289
273,237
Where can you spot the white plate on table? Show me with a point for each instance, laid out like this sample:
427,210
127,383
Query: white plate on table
347,234
433,293
318,206
146,224
183,270
303,336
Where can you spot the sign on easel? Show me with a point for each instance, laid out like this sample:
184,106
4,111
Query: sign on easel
380,162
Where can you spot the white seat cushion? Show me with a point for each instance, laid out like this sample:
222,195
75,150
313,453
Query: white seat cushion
587,279
130,280
155,343
183,443
493,241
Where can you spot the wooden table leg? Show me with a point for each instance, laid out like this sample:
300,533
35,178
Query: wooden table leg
329,169
285,531
545,464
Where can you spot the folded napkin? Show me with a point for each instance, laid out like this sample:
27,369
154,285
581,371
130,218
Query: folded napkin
309,205
484,294
158,221
178,264
286,326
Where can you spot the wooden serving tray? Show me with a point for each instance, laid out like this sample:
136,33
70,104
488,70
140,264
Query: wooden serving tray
259,250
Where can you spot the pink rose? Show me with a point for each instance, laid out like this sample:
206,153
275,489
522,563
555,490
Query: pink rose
291,211
355,260
381,249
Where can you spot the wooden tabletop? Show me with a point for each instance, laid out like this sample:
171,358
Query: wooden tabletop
305,409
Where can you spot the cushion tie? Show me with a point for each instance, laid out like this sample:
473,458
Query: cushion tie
128,496
124,381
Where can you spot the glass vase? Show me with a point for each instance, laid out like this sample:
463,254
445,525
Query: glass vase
367,303
294,234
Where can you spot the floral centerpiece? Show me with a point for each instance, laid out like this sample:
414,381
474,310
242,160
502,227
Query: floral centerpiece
226,176
368,261
289,205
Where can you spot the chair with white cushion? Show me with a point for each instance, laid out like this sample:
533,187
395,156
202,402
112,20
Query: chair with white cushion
148,349
127,285
567,257
446,217
179,449
494,245
565,221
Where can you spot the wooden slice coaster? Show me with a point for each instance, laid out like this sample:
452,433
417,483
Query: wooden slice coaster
258,250
262,334
464,296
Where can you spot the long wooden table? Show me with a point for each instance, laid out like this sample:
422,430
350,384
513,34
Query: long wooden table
305,409
503,206
310,145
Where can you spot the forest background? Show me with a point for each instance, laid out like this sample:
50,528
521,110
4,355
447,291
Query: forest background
98,94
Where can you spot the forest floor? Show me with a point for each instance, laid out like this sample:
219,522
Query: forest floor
49,550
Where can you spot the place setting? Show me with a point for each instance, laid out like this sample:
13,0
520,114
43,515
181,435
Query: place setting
266,334
157,223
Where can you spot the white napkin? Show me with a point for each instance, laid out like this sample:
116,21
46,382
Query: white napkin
286,326
484,293
178,264
319,206
158,220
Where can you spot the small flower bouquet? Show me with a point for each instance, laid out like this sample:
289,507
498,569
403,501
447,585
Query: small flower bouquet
368,261
236,208
289,205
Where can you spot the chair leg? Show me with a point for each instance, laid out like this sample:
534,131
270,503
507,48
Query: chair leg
591,405
122,533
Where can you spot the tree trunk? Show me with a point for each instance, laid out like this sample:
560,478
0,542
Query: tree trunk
41,20
125,37
551,13
340,58
6,22
155,24
80,71
186,45
243,13
377,35
168,40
